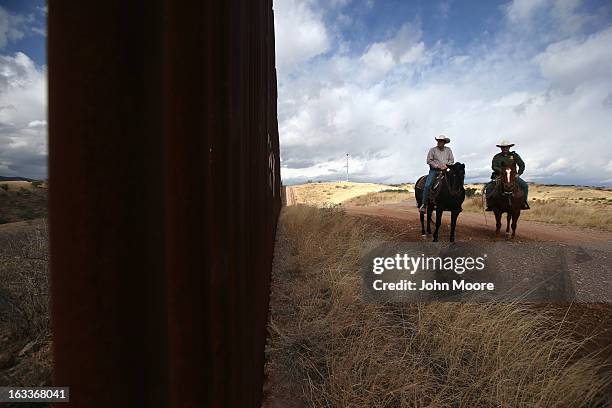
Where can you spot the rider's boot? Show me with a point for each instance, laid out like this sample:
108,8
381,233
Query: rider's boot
526,205
488,205
422,208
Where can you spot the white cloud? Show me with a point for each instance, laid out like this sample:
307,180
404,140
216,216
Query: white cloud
39,31
405,47
520,11
377,60
23,117
385,105
571,62
11,27
37,124
536,17
300,33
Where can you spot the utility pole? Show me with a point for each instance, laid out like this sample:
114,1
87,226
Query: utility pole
347,173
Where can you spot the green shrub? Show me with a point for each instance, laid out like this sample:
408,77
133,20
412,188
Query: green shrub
470,192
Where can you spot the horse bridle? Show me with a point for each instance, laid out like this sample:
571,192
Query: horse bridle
453,193
509,194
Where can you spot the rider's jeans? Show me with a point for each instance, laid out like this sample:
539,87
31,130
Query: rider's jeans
428,182
523,184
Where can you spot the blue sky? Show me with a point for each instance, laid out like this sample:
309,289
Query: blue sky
23,89
379,79
31,37
378,20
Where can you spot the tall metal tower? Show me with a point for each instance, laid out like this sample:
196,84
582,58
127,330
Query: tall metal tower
347,173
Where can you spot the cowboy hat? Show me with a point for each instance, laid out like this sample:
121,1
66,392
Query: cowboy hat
505,143
444,138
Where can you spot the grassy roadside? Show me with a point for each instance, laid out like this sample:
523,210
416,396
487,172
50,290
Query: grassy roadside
326,194
25,332
334,350
593,214
22,200
383,197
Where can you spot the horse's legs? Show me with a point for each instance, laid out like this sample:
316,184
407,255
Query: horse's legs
515,218
438,222
429,211
422,217
508,218
454,215
498,215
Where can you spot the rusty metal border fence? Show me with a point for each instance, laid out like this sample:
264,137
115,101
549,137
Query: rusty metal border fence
164,196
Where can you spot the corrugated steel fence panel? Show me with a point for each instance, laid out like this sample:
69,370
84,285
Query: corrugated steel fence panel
164,195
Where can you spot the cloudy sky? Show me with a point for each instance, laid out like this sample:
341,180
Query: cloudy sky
378,79
23,89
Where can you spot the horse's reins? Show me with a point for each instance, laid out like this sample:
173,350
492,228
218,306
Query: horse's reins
484,213
450,188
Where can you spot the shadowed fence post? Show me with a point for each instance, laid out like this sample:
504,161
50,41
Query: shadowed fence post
106,209
164,196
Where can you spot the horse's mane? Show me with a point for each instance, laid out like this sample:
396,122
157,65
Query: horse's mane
455,167
457,174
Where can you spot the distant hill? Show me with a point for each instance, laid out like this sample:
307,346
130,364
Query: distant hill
3,178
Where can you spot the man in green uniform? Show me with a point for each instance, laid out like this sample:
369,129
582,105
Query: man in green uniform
506,158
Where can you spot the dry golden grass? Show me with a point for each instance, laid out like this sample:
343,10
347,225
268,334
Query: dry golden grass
566,205
25,321
332,193
565,212
383,197
16,185
22,200
346,352
570,213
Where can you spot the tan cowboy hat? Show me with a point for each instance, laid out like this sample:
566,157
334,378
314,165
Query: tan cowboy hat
505,143
444,138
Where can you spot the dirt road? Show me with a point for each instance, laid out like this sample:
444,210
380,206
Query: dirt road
583,255
474,226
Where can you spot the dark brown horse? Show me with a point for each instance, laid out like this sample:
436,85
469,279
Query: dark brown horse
448,196
507,197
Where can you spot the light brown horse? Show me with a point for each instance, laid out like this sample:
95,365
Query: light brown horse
507,198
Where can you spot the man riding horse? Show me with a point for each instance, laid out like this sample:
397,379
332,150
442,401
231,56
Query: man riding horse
438,158
506,158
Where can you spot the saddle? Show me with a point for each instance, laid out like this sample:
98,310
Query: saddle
496,190
435,186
